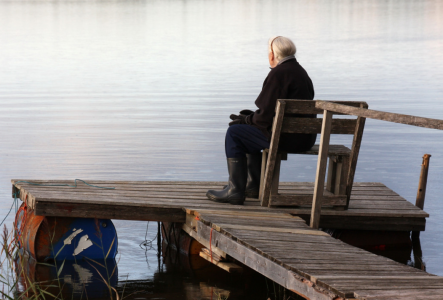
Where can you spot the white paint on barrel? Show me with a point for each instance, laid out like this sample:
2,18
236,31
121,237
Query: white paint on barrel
69,239
84,243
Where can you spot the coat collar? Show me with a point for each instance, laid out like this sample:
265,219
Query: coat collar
290,57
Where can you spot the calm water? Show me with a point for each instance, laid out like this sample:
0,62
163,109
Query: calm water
142,90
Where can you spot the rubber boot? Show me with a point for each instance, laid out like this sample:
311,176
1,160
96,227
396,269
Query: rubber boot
254,173
234,192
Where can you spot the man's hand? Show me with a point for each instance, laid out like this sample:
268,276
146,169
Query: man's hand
237,119
245,117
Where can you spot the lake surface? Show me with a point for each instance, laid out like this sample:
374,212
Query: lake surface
142,90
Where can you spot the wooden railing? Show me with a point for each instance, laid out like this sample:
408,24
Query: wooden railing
362,113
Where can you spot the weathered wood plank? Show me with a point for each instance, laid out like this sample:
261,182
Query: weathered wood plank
310,125
296,199
381,115
321,170
265,189
75,210
270,229
229,267
296,106
251,214
333,150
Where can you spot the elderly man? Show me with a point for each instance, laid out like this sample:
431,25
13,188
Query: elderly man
250,132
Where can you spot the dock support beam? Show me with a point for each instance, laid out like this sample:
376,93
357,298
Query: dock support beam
421,192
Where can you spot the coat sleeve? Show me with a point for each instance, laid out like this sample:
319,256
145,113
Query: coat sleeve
266,101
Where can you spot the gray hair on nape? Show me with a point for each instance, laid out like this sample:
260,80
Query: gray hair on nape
281,46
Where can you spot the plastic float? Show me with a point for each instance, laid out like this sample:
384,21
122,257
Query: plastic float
63,238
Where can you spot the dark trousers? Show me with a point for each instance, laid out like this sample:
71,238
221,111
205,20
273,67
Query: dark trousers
242,139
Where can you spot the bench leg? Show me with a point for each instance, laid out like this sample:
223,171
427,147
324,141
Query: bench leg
264,160
344,175
332,171
276,173
337,176
276,177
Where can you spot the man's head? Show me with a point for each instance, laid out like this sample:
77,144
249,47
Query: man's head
279,47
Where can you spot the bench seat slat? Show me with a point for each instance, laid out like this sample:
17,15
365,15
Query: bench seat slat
334,150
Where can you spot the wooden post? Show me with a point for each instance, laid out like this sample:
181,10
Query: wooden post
265,190
159,238
421,192
321,169
356,143
276,176
418,254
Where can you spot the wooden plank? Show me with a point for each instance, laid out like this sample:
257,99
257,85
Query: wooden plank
284,222
396,294
333,150
276,237
311,125
245,214
294,221
306,199
381,115
76,210
295,106
425,276
214,255
321,170
253,223
270,229
229,267
265,189
372,223
276,176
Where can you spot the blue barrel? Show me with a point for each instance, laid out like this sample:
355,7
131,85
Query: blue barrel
62,238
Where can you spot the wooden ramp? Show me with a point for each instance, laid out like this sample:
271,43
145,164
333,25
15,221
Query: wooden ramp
271,241
373,206
307,261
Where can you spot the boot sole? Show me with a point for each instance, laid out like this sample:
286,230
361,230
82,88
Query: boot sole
231,201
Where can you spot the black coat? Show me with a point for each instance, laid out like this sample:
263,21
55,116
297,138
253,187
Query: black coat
286,81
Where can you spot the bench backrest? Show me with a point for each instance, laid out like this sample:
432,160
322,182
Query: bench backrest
296,120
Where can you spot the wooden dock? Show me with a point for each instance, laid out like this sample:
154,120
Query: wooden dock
275,242
373,206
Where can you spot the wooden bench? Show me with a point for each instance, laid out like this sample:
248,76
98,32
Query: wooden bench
342,160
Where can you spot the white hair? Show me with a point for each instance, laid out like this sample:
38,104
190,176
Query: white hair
281,46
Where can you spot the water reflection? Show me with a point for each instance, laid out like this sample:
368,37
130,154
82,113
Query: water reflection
82,279
191,277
